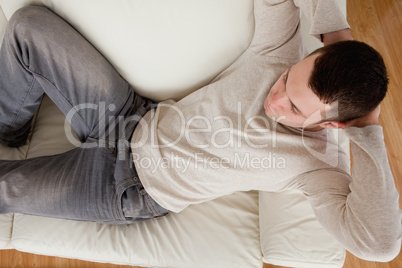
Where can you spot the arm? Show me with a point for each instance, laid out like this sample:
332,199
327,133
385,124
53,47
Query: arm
325,18
374,199
361,211
277,24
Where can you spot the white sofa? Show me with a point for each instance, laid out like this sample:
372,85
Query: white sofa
167,49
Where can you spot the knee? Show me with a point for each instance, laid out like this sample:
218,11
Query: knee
27,19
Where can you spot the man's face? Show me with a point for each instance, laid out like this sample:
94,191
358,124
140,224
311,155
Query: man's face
291,101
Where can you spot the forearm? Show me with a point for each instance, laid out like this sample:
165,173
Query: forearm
333,37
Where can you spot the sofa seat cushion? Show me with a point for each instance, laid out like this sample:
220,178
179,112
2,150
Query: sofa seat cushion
221,233
6,225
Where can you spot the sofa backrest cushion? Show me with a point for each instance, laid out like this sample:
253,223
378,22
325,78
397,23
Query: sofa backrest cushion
179,50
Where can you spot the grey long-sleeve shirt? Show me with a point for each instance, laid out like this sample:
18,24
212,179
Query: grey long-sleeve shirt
218,140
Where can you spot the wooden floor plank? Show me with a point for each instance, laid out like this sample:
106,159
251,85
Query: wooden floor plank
16,259
367,22
390,21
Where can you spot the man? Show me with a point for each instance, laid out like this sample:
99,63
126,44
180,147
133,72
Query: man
220,134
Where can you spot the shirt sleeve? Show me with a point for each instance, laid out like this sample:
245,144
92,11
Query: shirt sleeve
277,29
361,211
325,16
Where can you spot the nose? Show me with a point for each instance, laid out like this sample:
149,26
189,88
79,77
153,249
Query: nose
278,100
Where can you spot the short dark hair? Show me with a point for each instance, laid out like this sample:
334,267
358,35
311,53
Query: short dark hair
350,74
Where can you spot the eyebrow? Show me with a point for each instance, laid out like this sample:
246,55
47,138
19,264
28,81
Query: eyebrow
293,105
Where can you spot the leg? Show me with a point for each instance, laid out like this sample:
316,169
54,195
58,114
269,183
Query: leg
82,184
61,187
42,53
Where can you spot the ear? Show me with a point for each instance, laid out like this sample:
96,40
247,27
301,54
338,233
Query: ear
333,124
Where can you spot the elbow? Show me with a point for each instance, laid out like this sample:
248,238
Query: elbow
388,254
382,252
381,242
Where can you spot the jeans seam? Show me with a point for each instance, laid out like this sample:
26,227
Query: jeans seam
18,111
33,127
117,204
151,205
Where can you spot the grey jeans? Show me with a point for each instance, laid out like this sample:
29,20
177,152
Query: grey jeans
43,54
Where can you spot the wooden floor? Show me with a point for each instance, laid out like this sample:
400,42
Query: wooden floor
377,22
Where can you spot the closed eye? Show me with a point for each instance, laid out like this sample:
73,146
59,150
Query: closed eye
293,107
293,110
